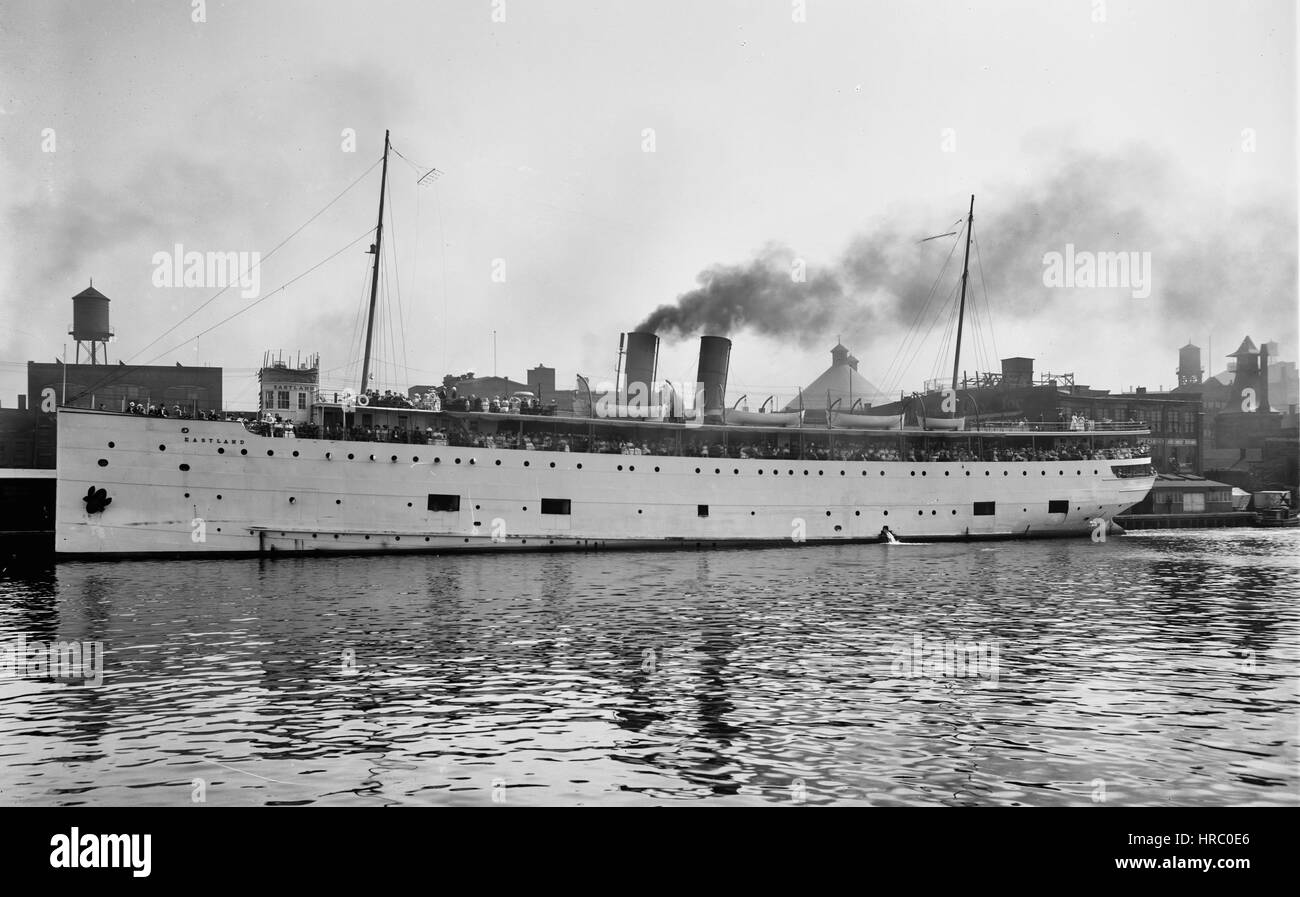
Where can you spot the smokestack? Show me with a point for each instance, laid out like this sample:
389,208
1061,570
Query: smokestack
715,358
1263,378
642,362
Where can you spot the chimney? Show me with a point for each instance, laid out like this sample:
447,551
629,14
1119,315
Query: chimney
715,358
640,365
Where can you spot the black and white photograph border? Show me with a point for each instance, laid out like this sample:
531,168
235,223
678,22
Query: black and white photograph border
429,404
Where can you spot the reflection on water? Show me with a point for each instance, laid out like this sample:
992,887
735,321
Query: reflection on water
1153,669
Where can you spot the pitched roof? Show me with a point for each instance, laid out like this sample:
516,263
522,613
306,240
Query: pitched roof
1246,348
842,381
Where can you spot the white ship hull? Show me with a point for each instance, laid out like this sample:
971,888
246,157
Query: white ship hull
245,494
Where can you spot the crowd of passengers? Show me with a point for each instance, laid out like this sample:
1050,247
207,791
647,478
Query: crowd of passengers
441,398
548,442
176,411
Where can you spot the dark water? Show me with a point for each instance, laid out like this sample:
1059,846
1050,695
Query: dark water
1158,668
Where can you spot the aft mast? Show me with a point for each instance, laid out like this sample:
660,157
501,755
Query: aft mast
961,309
377,248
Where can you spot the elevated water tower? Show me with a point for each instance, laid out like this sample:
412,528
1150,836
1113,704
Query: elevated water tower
90,324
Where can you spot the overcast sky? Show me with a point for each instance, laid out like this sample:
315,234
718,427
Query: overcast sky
1165,128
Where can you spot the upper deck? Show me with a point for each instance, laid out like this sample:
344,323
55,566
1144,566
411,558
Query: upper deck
984,440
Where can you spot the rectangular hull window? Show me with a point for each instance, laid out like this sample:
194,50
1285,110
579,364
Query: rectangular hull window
702,510
555,506
444,502
1058,507
984,508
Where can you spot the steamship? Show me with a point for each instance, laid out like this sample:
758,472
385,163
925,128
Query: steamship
637,468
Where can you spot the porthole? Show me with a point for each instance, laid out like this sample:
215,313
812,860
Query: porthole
580,465
697,470
882,473
473,460
329,455
841,473
243,451
805,473
630,467
986,473
954,511
923,473
187,495
103,462
620,467
552,463
270,452
886,513
790,473
437,460
218,498
968,473
372,457
736,471
945,473
525,463
351,456
338,501
415,459
920,513
162,448
656,469
112,445
394,458
828,513
820,472
292,499
912,472
185,467
295,454
857,513
638,510
719,470
221,451
185,429
367,538
408,504
498,462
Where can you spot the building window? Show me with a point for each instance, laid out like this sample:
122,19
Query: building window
444,502
270,399
984,508
1058,507
302,401
556,506
284,399
1193,502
